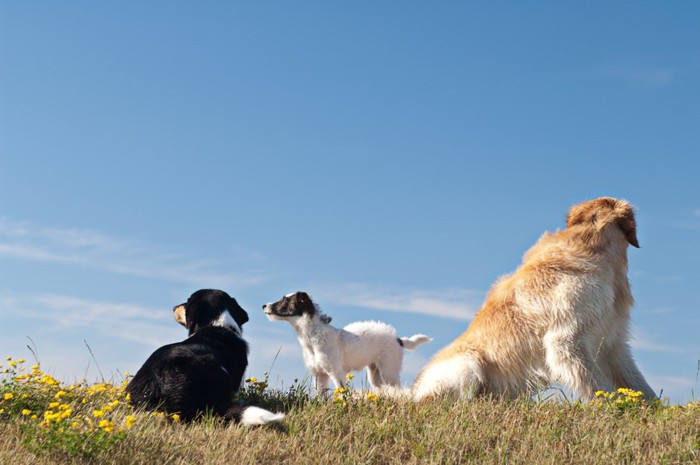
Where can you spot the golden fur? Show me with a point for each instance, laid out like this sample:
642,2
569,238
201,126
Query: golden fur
562,317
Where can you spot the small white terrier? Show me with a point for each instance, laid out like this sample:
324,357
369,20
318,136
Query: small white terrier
330,352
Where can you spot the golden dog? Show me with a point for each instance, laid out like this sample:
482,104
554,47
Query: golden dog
562,317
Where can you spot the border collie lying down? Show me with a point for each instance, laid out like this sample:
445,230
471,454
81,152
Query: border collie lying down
332,352
202,373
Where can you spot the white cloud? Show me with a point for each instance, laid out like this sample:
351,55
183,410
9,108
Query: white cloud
125,321
639,74
641,340
457,304
96,251
657,77
678,388
134,329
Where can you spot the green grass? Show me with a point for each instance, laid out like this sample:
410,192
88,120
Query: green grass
347,428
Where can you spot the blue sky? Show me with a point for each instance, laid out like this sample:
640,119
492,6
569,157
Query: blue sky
391,158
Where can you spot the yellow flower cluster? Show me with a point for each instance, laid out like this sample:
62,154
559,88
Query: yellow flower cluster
339,391
256,384
63,411
255,387
79,407
129,421
343,394
621,393
622,399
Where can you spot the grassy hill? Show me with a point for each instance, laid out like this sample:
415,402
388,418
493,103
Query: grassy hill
43,422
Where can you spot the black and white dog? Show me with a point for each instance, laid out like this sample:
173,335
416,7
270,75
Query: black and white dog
204,372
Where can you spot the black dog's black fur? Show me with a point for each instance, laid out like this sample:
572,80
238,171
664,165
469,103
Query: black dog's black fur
202,373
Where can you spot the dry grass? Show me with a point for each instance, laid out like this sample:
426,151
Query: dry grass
484,431
355,429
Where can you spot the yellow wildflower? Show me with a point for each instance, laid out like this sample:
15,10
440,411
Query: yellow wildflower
372,397
350,376
9,396
50,416
175,417
26,412
98,413
339,391
106,425
130,420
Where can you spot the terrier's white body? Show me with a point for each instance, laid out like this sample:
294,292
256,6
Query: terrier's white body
331,352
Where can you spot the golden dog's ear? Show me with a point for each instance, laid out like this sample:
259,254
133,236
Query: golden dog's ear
180,315
626,222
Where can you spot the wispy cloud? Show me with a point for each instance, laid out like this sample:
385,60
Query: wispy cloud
678,388
96,251
137,329
632,72
641,340
648,76
656,77
457,304
126,321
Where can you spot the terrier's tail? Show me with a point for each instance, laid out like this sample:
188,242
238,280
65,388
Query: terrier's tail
410,343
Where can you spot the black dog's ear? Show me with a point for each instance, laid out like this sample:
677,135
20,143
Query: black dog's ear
243,315
180,314
240,315
326,319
